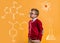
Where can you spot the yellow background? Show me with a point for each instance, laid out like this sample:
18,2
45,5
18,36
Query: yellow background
45,17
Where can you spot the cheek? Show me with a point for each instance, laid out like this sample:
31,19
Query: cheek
33,15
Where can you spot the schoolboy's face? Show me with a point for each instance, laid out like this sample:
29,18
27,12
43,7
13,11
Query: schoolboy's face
33,14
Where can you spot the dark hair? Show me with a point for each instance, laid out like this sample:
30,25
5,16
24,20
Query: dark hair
37,11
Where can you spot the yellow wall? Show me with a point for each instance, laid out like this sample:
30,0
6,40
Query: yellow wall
50,20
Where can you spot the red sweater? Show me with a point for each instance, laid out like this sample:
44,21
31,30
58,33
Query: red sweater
35,30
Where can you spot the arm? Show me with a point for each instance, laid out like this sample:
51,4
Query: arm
40,29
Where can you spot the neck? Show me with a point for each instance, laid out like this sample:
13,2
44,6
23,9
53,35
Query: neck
33,18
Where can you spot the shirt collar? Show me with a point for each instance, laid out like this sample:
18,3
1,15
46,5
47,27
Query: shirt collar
34,19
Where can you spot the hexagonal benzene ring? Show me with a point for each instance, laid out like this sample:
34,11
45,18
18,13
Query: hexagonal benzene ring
13,35
6,11
13,32
15,11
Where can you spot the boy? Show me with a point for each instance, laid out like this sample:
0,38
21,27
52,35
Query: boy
35,27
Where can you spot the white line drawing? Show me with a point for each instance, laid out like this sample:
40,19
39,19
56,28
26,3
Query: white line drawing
13,30
13,10
13,7
21,25
45,5
50,35
6,12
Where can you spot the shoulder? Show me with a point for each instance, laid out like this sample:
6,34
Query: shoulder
39,21
29,21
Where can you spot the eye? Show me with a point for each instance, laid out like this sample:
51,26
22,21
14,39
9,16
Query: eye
31,13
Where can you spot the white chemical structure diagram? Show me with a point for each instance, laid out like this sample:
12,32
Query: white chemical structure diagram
13,10
13,32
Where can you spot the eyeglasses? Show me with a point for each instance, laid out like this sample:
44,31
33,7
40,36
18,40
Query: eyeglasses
32,13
